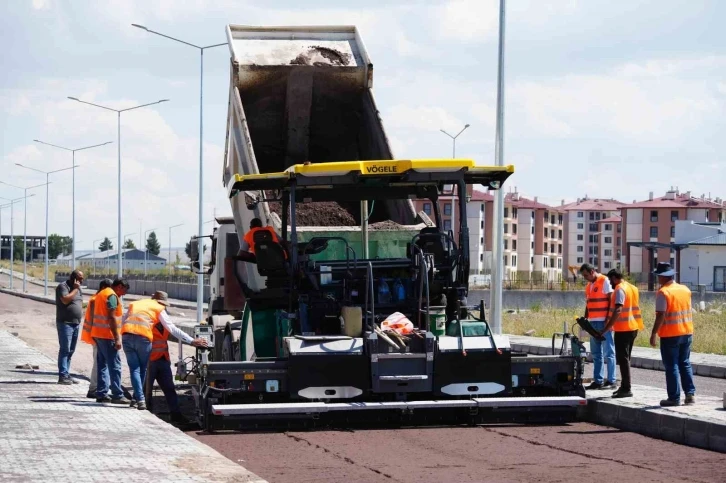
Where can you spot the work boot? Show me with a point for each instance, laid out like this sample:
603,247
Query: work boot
104,399
594,386
666,403
91,394
690,399
610,385
66,381
133,403
179,418
621,393
120,401
141,405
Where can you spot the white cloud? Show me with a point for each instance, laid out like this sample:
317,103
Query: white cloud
424,118
468,19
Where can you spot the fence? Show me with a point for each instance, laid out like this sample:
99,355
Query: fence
178,287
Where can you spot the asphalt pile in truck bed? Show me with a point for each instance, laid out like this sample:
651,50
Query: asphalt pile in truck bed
320,213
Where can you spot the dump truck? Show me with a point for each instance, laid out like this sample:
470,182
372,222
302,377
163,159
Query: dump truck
357,310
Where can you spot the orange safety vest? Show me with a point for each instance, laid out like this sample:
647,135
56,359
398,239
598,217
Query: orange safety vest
142,315
598,303
159,346
678,315
102,317
88,322
249,236
630,317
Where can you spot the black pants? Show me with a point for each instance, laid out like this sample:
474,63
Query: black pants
623,348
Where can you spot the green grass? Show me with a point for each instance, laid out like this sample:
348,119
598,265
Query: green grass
709,334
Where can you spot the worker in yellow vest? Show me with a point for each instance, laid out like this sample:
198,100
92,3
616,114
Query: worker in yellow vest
625,320
137,336
597,297
106,333
160,366
88,339
674,326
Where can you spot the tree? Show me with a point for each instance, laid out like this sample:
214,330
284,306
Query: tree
18,248
129,243
105,245
188,249
152,244
59,245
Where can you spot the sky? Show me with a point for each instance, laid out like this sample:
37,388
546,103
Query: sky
602,98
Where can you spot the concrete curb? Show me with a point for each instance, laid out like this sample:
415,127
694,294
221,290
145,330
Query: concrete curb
700,369
658,423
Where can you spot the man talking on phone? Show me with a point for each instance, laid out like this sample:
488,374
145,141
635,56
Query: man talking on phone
68,316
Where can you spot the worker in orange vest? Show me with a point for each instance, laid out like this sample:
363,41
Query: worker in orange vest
625,320
137,336
160,362
247,249
674,326
106,333
597,297
88,339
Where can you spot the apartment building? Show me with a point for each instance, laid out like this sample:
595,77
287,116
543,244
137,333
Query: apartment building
610,236
654,220
585,226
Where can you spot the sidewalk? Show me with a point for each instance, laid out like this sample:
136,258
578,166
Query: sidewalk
702,425
53,433
707,365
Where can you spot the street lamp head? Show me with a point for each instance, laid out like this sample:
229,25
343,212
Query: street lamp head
163,100
73,98
466,126
139,26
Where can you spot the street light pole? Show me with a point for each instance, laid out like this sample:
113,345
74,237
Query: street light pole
73,202
118,134
25,228
12,235
453,187
200,244
47,198
495,301
146,249
174,226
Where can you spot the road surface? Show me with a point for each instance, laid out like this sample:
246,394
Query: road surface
504,453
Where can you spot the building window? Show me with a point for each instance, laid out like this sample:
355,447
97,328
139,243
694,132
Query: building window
559,263
592,215
505,260
506,212
608,227
506,244
580,214
481,207
552,248
514,228
545,247
532,229
531,260
654,216
608,253
427,208
532,244
481,257
447,209
506,228
514,213
580,226
593,226
481,241
580,248
559,234
580,260
674,215
545,217
531,214
514,244
597,216
447,225
559,249
544,262
482,224
608,239
607,265
545,232
673,232
552,220
559,219
654,232
580,237
620,228
514,260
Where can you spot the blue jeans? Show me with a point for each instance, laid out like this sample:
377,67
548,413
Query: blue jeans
597,348
108,365
67,338
676,354
160,371
137,349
